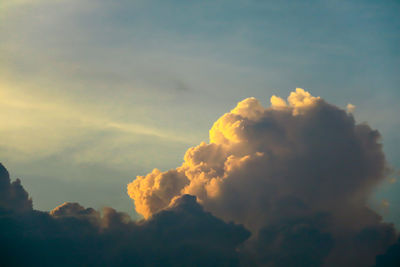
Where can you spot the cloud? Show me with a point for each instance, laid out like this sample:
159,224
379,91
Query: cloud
71,235
350,108
285,164
56,124
391,258
12,195
293,242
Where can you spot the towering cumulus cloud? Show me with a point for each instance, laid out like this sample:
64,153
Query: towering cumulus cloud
298,174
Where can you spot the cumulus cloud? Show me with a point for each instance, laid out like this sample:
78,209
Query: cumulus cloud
285,164
350,108
71,235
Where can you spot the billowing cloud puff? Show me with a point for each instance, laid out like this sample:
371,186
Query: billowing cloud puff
307,149
284,164
71,235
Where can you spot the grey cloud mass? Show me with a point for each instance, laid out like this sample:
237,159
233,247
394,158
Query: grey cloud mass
71,235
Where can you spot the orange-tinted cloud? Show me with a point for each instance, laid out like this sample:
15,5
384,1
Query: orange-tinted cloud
262,164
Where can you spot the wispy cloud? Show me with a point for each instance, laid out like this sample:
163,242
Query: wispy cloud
41,125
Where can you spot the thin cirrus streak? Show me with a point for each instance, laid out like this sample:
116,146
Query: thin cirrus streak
54,124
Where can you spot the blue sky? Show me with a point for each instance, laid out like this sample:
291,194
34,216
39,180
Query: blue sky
93,93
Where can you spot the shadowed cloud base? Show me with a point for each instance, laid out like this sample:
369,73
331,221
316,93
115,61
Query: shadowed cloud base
70,235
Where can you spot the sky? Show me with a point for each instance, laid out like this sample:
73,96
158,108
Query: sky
257,120
95,93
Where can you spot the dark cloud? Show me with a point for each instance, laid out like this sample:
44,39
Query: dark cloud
296,242
71,235
391,258
12,195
